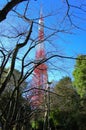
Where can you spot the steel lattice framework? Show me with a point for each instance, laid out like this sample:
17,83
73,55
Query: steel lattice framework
40,76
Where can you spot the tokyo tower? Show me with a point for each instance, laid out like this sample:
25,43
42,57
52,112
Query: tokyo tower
40,76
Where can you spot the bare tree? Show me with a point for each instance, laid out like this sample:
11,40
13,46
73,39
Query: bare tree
16,53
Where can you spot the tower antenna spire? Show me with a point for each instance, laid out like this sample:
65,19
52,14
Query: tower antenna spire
41,9
40,76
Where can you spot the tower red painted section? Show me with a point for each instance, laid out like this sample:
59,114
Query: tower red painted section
40,77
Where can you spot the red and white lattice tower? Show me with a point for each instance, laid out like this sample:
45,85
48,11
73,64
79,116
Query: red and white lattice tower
40,77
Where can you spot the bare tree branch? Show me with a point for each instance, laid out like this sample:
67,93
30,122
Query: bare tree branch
18,46
8,7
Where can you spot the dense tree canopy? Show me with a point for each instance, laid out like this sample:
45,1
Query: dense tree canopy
68,97
80,75
67,109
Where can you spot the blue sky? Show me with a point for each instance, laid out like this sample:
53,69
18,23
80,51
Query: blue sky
69,43
72,44
66,44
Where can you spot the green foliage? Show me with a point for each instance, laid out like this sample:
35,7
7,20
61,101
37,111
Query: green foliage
79,74
68,109
64,105
65,82
67,96
34,124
